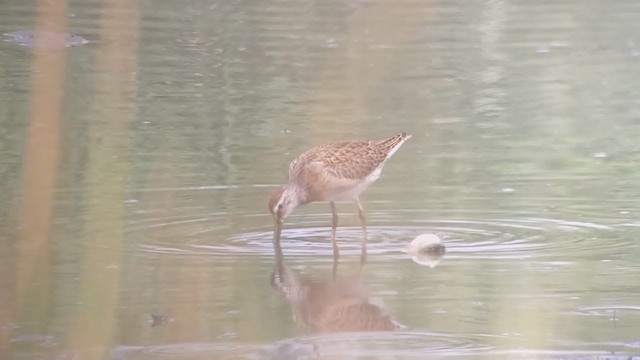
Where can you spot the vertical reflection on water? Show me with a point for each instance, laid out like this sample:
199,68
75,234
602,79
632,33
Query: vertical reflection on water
490,97
337,304
107,174
39,177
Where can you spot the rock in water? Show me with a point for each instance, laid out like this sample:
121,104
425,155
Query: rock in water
44,39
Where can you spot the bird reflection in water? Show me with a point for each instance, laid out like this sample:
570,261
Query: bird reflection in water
338,303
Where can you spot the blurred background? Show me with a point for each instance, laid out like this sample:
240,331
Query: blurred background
136,167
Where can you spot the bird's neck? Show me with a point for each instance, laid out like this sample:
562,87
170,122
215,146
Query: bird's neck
297,193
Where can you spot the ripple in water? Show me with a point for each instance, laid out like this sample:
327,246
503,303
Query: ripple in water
344,345
524,238
378,345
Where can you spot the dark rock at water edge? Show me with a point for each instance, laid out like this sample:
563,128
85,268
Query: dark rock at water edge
44,39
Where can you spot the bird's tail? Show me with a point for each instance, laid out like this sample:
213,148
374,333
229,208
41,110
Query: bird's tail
395,141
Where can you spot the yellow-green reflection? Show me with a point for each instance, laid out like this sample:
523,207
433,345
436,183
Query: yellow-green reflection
33,282
93,331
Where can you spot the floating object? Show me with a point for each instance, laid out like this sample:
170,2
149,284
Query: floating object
158,320
44,39
427,250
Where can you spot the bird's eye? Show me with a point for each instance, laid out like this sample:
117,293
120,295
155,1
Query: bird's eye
279,206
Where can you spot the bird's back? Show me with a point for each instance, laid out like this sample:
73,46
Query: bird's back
353,160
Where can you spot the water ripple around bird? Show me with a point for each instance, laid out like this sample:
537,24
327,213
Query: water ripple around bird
491,238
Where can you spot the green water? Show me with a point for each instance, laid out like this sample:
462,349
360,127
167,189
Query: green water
178,119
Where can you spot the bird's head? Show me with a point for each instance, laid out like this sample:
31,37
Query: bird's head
281,205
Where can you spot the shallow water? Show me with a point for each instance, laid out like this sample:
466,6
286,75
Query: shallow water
178,119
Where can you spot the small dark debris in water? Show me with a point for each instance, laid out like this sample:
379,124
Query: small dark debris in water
44,39
434,250
158,320
295,351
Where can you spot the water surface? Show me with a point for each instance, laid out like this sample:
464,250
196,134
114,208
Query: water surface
144,190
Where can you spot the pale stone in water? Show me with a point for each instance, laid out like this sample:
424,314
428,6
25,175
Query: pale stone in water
427,250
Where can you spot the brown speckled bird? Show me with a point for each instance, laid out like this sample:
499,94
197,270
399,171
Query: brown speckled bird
334,172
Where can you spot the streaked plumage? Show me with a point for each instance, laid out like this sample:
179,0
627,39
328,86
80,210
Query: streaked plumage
333,172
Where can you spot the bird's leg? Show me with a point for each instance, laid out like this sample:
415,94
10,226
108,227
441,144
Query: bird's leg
336,260
363,220
334,225
363,258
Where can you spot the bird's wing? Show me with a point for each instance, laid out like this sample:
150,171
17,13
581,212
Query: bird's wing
348,160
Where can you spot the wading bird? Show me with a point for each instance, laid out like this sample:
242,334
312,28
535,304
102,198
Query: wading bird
334,172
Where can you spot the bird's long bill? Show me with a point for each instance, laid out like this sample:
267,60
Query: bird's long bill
277,229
